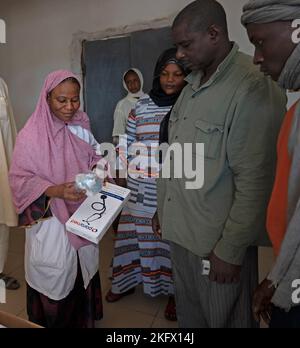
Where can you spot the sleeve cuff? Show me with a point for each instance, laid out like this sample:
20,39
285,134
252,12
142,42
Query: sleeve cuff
230,253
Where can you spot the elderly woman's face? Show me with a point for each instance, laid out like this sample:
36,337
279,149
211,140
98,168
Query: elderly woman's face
64,100
172,79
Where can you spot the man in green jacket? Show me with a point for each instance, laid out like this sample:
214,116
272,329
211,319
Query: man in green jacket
236,112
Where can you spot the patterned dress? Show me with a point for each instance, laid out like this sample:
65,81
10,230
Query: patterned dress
140,256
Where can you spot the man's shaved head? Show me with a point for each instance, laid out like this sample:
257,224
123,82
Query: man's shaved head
201,14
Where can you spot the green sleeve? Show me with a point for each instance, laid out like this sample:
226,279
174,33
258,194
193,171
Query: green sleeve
251,152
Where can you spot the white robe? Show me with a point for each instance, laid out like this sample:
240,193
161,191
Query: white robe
8,132
50,259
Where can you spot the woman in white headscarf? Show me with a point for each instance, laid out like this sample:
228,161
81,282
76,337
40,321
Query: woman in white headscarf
133,82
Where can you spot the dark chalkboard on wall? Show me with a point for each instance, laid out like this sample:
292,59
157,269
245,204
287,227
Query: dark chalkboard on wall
104,62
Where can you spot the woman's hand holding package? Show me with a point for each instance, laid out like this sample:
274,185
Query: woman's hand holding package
67,192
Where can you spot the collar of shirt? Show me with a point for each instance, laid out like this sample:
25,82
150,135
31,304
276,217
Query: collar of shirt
195,77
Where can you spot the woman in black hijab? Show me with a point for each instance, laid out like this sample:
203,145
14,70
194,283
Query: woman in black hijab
159,94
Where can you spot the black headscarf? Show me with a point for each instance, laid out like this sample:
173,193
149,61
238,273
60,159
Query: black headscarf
159,97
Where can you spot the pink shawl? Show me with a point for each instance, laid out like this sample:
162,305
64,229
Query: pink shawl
48,154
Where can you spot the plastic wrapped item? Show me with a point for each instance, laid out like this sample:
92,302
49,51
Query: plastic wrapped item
89,182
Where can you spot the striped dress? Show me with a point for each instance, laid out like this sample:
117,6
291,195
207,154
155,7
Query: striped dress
141,257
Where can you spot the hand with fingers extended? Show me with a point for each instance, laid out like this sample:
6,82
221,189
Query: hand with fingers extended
156,225
223,272
261,305
67,192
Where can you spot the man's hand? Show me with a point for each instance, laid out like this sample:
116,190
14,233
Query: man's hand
223,272
261,305
156,225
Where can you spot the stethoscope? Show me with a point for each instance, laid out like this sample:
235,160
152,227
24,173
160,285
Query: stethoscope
100,207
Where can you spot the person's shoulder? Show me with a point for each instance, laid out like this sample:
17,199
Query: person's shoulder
244,63
121,102
144,98
253,79
25,140
143,105
144,101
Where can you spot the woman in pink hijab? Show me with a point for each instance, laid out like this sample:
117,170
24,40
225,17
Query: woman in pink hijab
61,269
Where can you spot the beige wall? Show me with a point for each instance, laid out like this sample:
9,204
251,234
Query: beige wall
40,34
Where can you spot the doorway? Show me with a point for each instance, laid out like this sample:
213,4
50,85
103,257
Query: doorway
105,61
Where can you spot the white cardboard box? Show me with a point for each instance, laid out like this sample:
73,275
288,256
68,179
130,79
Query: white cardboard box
96,214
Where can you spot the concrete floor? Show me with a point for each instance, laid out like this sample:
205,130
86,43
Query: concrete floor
134,311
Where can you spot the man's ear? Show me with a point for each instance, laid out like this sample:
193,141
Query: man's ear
214,32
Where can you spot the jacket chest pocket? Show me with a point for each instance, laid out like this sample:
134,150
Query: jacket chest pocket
211,136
